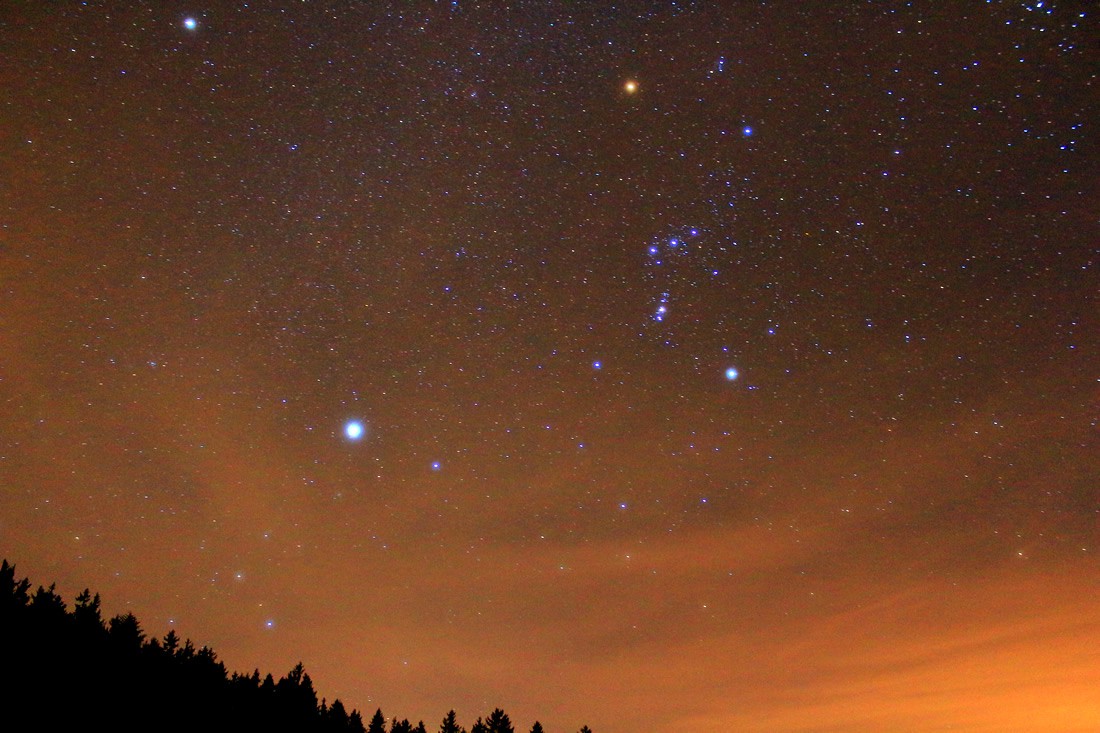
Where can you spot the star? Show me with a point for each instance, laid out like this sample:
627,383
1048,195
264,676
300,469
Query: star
353,429
190,24
630,86
731,374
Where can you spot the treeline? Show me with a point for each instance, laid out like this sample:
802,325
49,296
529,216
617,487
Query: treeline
67,668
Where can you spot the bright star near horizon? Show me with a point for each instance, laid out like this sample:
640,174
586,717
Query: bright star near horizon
353,429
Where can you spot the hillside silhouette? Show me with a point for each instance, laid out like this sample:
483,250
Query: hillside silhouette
71,667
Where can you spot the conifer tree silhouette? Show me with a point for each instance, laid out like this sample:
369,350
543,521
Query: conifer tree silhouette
499,722
337,715
13,595
125,633
112,671
171,643
377,723
450,724
87,614
48,606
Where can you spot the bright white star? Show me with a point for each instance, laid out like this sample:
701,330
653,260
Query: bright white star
353,429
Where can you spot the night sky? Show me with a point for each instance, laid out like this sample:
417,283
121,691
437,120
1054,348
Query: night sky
718,366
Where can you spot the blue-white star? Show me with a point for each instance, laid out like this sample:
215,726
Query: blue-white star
354,430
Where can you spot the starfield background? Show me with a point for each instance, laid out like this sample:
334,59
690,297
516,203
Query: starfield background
712,366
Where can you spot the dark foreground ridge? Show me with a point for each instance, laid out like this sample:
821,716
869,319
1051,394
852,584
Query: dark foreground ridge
67,669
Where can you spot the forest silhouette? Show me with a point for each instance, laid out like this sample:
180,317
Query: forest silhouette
68,668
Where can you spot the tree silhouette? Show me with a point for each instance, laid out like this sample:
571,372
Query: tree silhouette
13,595
377,723
125,633
114,671
87,614
499,722
450,725
334,717
297,699
47,605
171,643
